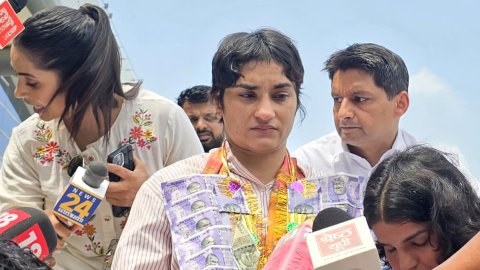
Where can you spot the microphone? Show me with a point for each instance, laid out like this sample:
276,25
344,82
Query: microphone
83,194
17,5
291,251
329,217
347,245
10,23
29,228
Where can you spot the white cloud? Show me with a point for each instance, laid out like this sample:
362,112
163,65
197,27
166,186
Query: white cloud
427,83
427,87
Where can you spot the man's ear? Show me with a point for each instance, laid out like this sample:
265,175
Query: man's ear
402,101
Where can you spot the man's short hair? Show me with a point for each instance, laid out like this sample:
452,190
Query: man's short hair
387,68
196,94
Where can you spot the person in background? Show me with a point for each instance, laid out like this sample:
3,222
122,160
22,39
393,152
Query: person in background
198,105
369,89
68,67
422,209
256,84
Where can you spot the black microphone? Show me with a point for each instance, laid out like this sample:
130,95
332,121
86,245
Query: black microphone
329,217
17,5
29,228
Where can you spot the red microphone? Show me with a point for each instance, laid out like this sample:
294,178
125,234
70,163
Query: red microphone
29,228
291,251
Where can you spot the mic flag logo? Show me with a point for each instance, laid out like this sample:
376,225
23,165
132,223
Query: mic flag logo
77,205
79,201
10,24
32,238
339,239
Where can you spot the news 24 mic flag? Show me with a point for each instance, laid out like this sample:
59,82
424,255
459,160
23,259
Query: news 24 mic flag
347,245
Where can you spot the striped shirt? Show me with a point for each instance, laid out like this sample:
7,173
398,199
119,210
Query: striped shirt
146,242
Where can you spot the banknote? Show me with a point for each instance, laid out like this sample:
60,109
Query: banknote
245,247
217,256
235,204
220,268
180,188
191,204
340,190
197,222
214,235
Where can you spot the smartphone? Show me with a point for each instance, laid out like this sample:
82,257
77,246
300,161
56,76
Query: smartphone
123,156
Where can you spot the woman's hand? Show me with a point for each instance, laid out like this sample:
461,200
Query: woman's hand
123,192
62,227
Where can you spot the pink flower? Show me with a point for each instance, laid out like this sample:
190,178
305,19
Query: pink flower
141,142
48,157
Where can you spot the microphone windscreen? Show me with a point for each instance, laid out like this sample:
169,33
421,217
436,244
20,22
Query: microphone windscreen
95,173
17,5
329,217
27,217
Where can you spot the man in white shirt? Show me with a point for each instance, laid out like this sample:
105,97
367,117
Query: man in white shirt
370,95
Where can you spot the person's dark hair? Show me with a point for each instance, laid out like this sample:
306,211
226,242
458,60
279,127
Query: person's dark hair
80,46
13,257
422,184
262,45
195,95
387,68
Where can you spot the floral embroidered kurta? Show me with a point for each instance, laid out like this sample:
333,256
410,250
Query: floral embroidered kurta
34,171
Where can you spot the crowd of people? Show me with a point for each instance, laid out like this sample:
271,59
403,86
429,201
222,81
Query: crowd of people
214,182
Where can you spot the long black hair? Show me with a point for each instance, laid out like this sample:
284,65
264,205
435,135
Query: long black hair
78,44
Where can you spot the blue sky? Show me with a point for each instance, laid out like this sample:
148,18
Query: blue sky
170,45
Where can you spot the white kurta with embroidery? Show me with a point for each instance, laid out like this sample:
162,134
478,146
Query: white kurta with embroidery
34,166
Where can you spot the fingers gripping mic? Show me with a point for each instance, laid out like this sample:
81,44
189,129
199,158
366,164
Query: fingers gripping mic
29,228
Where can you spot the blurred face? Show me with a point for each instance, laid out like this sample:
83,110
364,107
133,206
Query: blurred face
207,123
408,245
36,86
259,110
363,115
